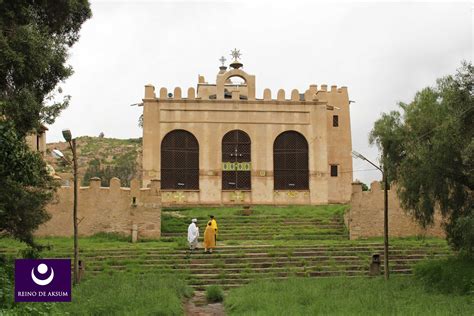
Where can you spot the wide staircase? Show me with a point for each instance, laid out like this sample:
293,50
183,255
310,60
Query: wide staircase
276,246
254,247
262,227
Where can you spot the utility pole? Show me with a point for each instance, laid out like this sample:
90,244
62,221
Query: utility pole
72,144
76,244
385,211
385,222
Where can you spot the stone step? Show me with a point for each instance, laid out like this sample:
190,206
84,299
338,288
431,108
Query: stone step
225,237
274,230
268,236
255,223
242,250
228,225
269,218
231,273
226,287
228,283
269,264
249,255
355,245
261,262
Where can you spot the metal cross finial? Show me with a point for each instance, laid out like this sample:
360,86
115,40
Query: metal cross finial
222,60
235,53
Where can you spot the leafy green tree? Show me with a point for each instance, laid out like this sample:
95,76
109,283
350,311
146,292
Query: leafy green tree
428,149
34,41
123,168
364,187
25,186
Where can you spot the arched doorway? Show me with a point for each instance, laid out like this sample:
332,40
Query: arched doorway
290,162
179,161
236,161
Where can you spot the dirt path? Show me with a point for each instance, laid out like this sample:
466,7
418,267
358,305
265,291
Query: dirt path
197,306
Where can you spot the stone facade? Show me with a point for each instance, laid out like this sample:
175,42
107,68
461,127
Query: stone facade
216,109
366,219
37,140
112,209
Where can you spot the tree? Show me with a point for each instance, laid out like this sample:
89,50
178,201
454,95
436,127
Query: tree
123,168
34,40
429,151
364,186
25,186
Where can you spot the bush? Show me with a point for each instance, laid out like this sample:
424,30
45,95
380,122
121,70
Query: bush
450,276
214,293
30,253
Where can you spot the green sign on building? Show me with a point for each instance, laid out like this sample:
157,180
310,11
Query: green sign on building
236,166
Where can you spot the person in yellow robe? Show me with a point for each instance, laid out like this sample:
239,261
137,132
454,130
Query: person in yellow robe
214,225
209,238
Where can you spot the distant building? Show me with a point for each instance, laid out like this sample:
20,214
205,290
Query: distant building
37,140
223,145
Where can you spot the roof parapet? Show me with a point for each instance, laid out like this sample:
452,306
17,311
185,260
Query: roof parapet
191,93
295,95
177,93
163,93
267,94
281,95
309,95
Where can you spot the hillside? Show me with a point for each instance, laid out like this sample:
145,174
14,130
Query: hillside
100,156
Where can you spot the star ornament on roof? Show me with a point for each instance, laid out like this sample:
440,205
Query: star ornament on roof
235,53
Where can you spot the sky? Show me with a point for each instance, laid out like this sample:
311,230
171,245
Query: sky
383,52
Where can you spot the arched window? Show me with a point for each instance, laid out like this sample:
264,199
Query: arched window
290,162
236,161
179,161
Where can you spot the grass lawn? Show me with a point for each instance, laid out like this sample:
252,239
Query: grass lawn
116,294
344,296
128,294
96,242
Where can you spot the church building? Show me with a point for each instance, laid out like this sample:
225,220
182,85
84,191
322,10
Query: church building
221,145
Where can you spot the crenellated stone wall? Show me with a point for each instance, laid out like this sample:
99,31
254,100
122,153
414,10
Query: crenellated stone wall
365,217
106,209
212,110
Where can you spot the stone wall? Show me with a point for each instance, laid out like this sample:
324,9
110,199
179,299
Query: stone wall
365,218
208,116
110,209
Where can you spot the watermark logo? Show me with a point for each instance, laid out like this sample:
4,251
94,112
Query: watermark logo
42,280
42,268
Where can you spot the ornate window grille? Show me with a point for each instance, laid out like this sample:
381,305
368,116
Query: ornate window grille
236,154
290,162
179,161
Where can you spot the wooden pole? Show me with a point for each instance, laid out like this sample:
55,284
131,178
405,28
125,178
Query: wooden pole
76,246
385,223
